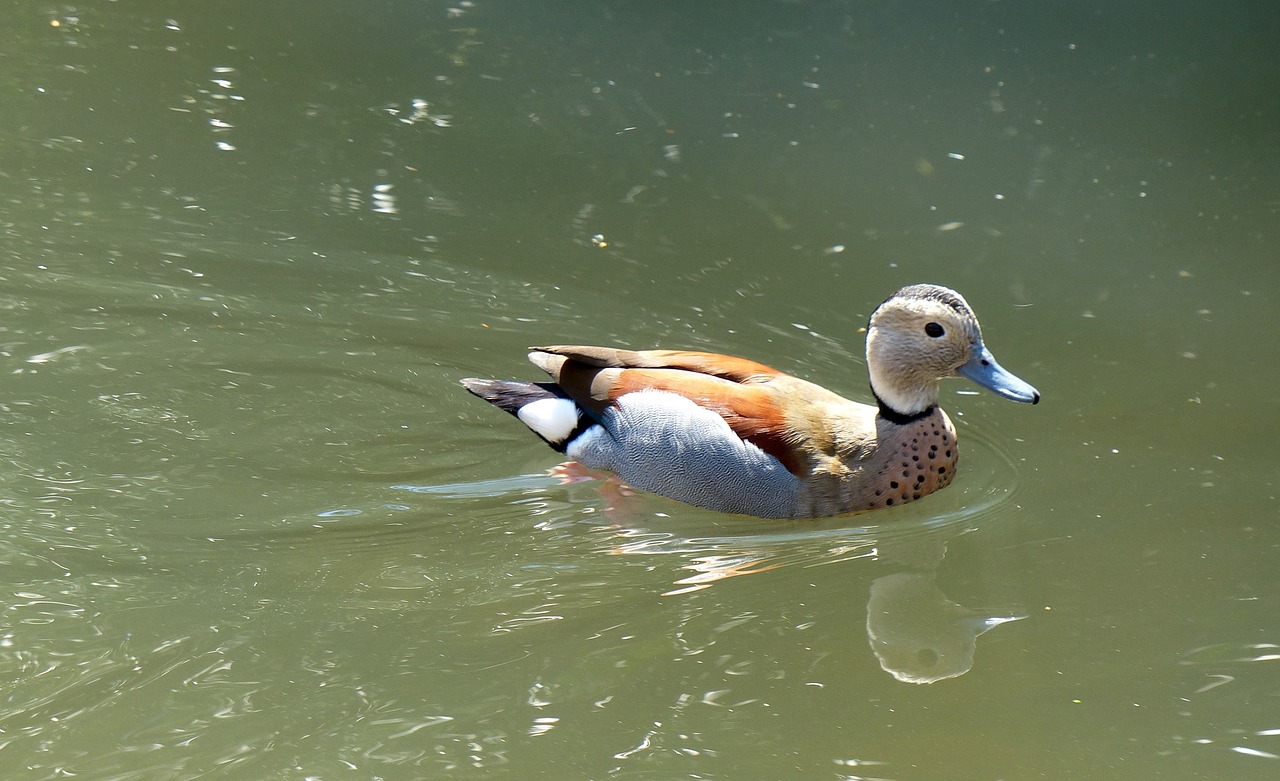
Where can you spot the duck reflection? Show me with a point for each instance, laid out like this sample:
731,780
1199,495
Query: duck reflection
917,633
710,569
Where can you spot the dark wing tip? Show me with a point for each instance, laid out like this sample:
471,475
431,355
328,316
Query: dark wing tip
476,385
510,395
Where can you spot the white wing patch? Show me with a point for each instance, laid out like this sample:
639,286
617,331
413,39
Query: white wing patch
552,419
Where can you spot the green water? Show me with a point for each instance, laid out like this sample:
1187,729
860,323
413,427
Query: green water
251,528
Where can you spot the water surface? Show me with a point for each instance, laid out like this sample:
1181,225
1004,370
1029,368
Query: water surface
252,527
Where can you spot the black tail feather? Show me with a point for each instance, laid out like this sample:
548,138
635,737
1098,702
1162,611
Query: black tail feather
511,395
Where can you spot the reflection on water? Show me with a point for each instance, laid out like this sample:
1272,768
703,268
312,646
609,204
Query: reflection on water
919,635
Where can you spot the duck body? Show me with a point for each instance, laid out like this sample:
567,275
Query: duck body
736,436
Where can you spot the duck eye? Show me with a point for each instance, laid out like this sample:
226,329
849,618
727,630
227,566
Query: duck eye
934,330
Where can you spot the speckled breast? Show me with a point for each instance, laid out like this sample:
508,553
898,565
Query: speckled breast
919,459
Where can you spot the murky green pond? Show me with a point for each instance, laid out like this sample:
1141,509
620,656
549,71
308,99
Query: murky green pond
252,528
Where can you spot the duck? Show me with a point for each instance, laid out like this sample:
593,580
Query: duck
735,436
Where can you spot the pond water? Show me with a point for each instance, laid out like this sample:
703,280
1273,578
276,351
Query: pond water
252,528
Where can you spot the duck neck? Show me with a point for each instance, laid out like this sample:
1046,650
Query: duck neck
904,400
893,415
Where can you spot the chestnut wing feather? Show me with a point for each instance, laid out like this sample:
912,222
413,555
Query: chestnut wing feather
736,389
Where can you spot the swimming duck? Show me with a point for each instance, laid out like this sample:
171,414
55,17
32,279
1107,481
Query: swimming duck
736,436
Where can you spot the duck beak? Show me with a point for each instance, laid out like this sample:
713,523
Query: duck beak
983,369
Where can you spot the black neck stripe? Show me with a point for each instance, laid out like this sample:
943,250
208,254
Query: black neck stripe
893,416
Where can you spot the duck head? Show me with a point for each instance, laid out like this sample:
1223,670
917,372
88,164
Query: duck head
926,333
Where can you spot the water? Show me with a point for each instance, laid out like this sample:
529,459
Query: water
252,528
